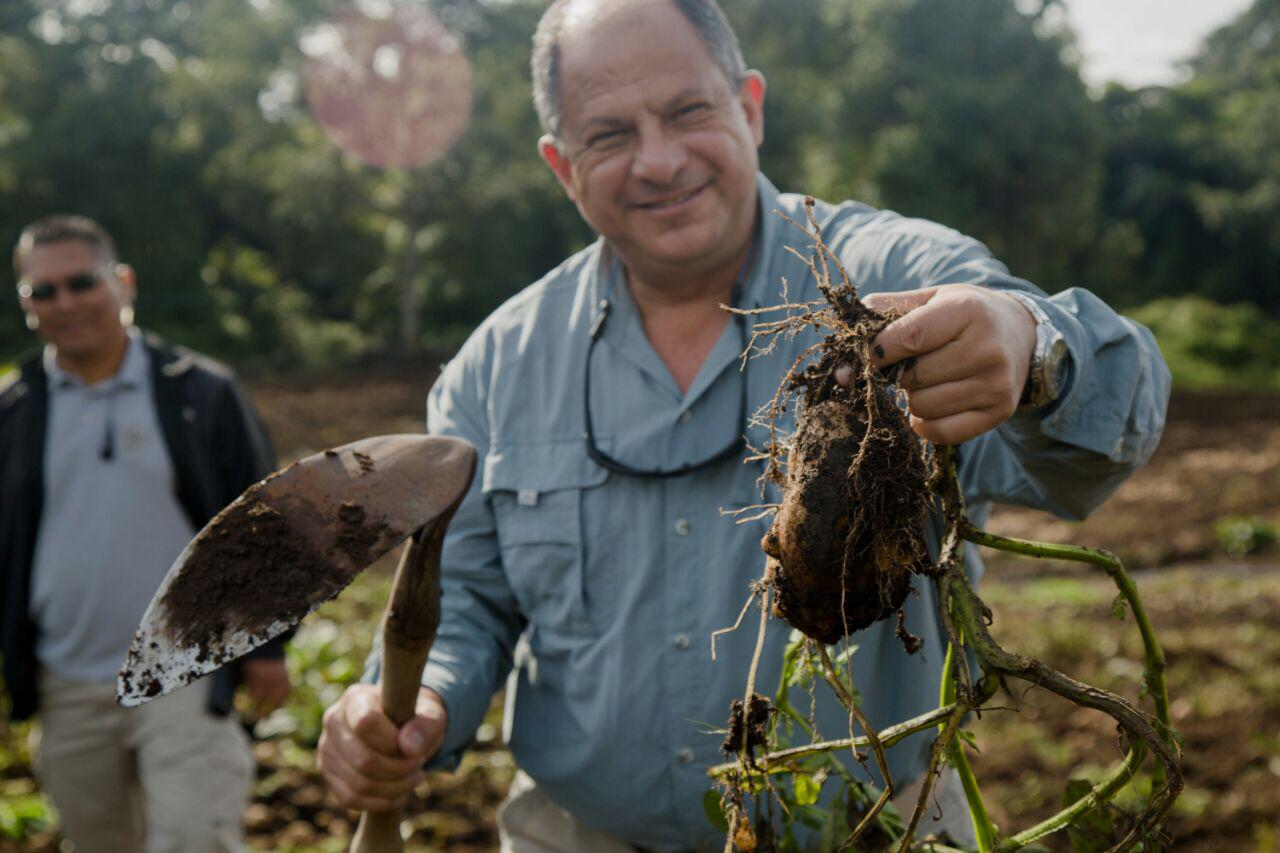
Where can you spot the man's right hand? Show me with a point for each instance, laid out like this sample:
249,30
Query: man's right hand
367,763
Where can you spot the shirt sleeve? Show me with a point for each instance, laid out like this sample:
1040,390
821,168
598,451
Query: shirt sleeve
245,452
480,622
1070,456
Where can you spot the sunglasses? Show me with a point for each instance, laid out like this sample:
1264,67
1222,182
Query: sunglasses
43,291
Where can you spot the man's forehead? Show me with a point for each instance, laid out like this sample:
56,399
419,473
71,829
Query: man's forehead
619,50
582,15
60,256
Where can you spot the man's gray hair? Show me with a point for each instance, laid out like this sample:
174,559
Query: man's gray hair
55,229
708,22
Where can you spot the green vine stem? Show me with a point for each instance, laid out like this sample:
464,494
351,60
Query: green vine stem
850,702
996,661
1104,791
963,606
983,828
936,753
783,761
782,702
1153,672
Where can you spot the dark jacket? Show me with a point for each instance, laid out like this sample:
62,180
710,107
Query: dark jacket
218,448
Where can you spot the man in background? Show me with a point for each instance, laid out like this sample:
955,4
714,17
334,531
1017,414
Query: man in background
115,448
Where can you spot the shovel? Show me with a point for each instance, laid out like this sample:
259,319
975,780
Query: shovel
291,543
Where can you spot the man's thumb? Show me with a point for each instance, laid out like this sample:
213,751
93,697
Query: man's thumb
420,737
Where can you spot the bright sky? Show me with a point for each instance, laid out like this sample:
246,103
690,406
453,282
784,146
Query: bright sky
1139,42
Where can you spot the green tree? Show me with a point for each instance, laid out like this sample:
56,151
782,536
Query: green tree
1191,198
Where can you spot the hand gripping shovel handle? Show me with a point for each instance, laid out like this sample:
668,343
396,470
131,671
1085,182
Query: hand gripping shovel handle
408,629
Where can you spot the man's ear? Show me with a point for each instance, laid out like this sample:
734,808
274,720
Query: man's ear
751,96
554,157
128,281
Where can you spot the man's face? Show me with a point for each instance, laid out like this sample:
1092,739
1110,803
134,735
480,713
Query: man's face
656,148
80,318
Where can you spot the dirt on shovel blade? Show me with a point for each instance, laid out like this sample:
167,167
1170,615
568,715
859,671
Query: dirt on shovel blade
250,569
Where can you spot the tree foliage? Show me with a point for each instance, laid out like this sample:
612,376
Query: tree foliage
184,128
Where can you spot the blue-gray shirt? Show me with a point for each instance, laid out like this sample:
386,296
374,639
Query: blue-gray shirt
603,590
110,528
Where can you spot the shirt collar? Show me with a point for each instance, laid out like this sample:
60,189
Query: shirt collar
131,374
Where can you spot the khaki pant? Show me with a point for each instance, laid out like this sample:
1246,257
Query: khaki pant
167,777
529,822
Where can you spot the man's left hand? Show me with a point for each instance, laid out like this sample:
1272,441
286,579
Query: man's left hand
267,682
972,349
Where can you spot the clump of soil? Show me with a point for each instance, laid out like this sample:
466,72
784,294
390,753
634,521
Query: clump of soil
753,725
849,532
357,536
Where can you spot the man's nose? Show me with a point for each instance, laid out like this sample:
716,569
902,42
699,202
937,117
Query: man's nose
63,298
659,155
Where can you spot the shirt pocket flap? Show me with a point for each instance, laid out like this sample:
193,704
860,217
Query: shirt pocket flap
536,490
546,467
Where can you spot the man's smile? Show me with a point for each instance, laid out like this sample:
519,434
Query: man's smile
671,201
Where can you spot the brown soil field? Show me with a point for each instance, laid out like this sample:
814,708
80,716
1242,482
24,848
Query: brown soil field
1216,614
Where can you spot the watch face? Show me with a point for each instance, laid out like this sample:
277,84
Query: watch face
1055,368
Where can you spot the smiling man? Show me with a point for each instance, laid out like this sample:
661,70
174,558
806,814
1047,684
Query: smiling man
590,563
114,449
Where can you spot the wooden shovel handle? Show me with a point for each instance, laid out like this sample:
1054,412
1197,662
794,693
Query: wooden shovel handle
408,629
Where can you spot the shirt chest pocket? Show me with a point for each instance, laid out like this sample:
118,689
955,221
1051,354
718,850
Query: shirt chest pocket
537,492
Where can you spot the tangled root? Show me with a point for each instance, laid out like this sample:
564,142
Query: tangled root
849,533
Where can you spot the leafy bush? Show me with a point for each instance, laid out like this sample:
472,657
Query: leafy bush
1211,346
1239,535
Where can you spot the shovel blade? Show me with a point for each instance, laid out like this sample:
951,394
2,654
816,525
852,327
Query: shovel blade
283,548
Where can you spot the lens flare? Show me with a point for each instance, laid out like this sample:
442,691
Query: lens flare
388,83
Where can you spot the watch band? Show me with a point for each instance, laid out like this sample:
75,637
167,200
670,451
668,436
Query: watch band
1048,359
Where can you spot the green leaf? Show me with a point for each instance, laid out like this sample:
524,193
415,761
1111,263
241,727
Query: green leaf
812,816
807,789
795,668
715,812
1118,606
840,654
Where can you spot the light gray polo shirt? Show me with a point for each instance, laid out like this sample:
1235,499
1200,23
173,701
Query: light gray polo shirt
110,527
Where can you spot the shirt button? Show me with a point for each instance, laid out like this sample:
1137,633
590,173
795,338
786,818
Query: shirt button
681,641
683,527
685,416
685,756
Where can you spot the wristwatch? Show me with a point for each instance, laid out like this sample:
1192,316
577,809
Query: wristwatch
1050,360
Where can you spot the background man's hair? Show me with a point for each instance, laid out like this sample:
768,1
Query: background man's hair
54,229
708,22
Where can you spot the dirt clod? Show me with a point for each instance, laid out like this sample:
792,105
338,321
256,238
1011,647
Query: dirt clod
753,725
910,642
357,536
